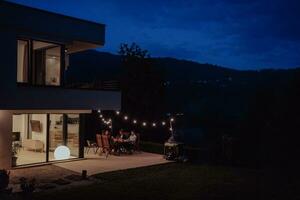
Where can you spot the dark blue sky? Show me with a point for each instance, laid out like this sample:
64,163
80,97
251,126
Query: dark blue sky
241,34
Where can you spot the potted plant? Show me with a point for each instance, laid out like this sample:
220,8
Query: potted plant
4,181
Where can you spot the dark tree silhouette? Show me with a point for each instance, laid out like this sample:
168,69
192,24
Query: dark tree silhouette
141,83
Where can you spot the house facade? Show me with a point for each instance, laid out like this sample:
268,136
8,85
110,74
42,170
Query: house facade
38,113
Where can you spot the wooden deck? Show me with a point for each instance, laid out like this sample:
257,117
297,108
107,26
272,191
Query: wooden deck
95,164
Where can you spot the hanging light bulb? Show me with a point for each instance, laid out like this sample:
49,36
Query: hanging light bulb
172,119
134,121
163,123
99,111
153,124
125,117
144,124
101,116
117,112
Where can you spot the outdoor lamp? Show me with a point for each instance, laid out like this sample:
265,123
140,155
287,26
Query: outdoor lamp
62,153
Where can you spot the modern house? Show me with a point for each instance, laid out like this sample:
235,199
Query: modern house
37,112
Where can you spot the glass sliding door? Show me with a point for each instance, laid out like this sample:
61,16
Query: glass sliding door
36,137
64,131
29,139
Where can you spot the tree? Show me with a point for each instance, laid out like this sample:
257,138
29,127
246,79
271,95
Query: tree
142,83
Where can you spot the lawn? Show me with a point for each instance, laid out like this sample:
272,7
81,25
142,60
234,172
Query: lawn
168,181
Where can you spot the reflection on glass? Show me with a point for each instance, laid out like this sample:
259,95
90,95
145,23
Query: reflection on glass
56,136
46,63
29,137
73,134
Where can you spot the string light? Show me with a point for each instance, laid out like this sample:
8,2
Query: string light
134,121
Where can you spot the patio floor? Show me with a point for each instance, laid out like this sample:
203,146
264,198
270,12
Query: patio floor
95,164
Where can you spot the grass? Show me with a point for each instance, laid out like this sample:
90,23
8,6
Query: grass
169,181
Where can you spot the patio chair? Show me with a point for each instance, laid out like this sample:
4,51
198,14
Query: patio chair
90,145
106,144
99,144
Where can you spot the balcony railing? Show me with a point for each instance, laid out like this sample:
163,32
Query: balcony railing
109,85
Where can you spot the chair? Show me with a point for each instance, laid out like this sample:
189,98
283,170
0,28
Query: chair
90,145
106,144
99,144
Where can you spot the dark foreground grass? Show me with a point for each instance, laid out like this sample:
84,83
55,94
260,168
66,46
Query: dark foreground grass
186,181
169,181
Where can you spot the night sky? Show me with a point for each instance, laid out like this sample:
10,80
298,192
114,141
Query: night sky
241,34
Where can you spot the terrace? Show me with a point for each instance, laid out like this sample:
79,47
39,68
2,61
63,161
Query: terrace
47,175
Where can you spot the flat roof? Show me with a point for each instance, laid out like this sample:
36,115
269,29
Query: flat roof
49,12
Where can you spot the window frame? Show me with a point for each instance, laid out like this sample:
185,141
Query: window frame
30,63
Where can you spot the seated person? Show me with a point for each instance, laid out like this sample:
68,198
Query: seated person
130,142
132,138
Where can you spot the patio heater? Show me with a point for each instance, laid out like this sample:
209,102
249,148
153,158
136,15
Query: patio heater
172,148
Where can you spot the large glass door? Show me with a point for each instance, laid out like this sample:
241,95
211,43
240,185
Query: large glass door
29,139
36,137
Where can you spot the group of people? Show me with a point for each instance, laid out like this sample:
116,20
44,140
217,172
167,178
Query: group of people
123,141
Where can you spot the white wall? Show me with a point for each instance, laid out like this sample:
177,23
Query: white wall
5,139
42,136
20,125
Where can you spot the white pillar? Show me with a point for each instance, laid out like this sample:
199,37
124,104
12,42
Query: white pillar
5,139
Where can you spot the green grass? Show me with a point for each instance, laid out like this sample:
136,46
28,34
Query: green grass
169,181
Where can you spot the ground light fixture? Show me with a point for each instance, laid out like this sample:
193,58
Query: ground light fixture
62,153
